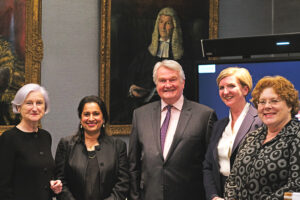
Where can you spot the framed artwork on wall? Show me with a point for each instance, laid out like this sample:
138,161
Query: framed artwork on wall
21,52
131,31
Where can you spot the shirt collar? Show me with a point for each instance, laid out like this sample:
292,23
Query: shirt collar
178,104
161,40
243,113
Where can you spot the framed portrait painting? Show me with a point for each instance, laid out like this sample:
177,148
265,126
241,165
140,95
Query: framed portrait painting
21,52
136,34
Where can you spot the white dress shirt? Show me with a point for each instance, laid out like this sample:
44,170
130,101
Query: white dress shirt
226,142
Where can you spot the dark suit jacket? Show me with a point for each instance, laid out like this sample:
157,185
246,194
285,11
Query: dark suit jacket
211,171
179,176
71,162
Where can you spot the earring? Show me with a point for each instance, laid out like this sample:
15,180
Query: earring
103,125
80,126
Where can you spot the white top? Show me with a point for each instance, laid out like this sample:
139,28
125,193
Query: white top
227,140
175,113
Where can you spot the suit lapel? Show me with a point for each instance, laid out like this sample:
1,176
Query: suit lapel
185,115
245,127
155,118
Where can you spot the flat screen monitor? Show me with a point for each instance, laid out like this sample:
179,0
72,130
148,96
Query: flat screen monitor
208,72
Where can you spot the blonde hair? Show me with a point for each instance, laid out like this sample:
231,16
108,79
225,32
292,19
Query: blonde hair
242,74
176,42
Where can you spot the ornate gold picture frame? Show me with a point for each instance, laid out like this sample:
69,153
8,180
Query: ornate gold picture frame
117,46
26,67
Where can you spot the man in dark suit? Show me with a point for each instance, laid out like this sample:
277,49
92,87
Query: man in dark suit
169,167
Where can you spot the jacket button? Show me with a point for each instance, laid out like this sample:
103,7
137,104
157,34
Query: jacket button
41,153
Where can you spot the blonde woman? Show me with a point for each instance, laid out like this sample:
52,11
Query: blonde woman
234,85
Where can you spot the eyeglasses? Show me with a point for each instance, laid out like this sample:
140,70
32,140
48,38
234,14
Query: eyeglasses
272,102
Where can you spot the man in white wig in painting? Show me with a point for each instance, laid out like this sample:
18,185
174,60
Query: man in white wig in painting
166,44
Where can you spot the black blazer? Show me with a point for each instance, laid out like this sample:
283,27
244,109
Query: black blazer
211,169
179,176
71,161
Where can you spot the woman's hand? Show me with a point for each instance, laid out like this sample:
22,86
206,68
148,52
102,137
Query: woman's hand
56,186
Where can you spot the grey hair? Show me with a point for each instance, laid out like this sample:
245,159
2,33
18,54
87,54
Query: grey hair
23,92
176,42
170,64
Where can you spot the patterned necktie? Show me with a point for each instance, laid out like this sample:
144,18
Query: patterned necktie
164,127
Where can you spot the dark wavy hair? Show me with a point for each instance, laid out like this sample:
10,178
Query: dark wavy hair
92,99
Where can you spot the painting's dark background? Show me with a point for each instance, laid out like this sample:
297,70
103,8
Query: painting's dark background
132,24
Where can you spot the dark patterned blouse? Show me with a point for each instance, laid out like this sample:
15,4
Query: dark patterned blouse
266,171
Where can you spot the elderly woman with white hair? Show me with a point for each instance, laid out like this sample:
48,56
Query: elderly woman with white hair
27,165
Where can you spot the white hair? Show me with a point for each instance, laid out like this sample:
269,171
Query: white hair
23,92
170,64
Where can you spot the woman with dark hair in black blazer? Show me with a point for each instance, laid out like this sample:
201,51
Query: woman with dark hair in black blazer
234,85
91,164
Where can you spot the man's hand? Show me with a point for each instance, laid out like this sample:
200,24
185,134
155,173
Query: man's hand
137,91
56,186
